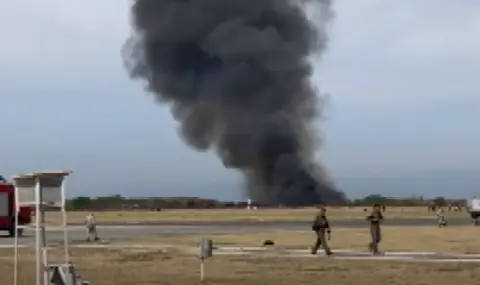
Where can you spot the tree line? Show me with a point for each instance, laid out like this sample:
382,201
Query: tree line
118,202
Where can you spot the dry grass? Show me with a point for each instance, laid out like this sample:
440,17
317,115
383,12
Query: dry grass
108,267
335,213
458,239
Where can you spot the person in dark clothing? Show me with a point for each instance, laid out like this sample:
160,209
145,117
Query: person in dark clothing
321,227
375,219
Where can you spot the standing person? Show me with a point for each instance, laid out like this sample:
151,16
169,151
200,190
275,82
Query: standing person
91,225
321,227
375,219
442,222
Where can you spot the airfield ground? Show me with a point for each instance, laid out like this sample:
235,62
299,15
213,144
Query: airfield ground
420,239
161,248
127,267
236,215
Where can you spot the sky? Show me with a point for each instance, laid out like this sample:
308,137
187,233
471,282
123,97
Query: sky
401,78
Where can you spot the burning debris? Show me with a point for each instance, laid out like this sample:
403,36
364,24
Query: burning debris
237,77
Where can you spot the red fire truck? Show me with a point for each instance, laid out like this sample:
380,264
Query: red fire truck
7,210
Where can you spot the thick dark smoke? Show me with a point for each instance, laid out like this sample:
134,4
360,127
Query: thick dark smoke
237,76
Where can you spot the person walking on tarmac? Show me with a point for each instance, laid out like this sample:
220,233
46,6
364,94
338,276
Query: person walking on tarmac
442,222
91,225
321,227
375,219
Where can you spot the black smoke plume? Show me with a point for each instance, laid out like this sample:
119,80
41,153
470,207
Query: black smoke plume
237,76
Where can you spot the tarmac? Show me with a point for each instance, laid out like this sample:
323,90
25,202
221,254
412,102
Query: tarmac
275,252
352,255
112,232
301,224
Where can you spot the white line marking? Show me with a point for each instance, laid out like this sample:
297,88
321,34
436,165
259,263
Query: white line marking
299,253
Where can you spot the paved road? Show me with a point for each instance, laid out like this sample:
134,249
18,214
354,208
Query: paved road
350,254
112,232
297,253
356,255
299,224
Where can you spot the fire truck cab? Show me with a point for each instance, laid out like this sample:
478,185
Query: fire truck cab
7,210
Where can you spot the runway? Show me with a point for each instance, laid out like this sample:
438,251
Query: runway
265,252
352,255
76,235
299,224
121,231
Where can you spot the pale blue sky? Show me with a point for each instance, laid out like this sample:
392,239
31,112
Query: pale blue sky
403,77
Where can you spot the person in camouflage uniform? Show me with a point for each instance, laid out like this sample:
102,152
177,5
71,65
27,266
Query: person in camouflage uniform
321,227
91,225
375,218
442,221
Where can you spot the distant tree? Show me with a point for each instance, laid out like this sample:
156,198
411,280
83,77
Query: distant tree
81,203
375,199
118,202
440,201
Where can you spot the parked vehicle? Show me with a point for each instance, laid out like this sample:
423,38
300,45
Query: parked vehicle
473,207
7,210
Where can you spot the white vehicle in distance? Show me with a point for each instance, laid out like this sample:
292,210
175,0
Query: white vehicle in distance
473,207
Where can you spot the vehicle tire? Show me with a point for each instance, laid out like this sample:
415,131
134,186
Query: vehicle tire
11,232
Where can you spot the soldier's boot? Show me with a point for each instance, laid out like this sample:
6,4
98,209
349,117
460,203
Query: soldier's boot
370,246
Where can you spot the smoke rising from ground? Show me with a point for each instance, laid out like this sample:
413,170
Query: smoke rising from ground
237,77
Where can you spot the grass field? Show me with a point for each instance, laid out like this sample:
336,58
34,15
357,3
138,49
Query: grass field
455,240
334,213
126,267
